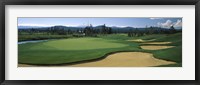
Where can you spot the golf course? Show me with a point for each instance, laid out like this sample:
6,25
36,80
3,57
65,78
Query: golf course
99,41
112,50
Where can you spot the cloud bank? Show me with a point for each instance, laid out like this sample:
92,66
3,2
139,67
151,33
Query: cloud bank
169,23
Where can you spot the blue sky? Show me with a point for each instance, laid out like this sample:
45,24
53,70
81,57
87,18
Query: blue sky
120,22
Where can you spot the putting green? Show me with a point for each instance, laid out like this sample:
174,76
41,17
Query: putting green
79,44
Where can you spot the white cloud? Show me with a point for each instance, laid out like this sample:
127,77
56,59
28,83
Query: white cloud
166,24
169,23
178,23
155,18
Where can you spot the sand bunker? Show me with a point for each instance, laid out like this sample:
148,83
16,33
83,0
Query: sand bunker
126,59
157,43
122,59
141,40
155,47
25,65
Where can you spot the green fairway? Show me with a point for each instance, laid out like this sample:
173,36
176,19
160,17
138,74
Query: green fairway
63,51
68,50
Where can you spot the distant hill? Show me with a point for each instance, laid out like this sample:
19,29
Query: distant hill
114,28
29,27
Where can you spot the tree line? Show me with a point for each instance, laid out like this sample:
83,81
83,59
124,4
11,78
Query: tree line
61,30
151,30
98,30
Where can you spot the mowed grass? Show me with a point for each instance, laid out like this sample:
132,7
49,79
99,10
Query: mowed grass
86,48
82,44
68,50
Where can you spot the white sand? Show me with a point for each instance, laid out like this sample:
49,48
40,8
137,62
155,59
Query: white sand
25,65
126,59
155,47
141,40
122,59
157,43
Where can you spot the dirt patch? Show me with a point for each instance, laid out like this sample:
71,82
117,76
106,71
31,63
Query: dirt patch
126,59
155,47
141,40
157,43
